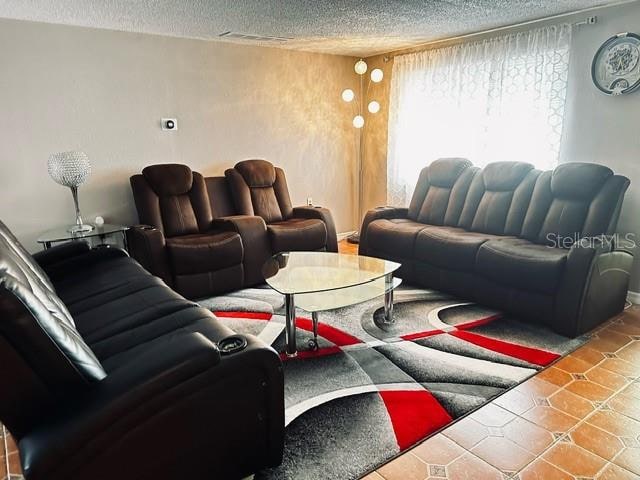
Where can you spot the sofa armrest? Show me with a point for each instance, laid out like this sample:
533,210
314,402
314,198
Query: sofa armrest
377,214
323,214
255,243
147,246
59,253
594,285
242,224
229,408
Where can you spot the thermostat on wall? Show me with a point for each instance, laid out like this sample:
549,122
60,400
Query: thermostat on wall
169,124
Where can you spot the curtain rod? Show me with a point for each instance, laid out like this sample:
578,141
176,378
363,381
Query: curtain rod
591,20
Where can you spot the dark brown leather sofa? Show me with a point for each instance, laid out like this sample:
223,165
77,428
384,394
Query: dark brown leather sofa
535,244
190,235
208,235
259,188
111,374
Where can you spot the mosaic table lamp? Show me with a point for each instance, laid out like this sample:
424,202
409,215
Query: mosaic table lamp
71,169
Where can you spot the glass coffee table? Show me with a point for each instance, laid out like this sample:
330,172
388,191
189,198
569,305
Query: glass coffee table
318,281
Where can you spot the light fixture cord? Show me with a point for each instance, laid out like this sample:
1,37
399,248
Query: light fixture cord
361,151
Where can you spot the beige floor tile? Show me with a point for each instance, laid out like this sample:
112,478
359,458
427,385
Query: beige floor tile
470,467
575,460
503,454
405,467
438,450
541,470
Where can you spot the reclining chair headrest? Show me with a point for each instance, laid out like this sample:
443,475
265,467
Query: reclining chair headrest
257,173
579,180
169,179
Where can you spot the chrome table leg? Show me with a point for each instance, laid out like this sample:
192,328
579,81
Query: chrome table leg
290,327
388,299
314,318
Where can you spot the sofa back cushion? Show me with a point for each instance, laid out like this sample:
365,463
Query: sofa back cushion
440,191
574,200
498,198
220,198
259,188
38,325
172,198
12,242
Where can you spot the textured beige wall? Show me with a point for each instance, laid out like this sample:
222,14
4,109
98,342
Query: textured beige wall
104,92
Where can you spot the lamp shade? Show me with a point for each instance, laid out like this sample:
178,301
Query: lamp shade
70,169
373,107
360,67
376,75
348,95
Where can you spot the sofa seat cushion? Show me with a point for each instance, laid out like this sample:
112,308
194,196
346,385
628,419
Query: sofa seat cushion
394,237
304,234
122,346
450,247
522,264
204,252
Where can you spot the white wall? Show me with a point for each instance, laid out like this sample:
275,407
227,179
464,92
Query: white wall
604,129
104,92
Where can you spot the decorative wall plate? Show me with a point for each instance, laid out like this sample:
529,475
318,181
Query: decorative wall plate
616,65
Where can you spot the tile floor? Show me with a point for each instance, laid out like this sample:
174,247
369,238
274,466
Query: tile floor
578,419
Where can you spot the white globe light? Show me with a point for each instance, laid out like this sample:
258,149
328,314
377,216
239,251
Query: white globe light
360,67
358,121
376,75
373,107
348,95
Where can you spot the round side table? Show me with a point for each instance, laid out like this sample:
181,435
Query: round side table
62,234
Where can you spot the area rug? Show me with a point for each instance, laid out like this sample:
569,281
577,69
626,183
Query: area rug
368,393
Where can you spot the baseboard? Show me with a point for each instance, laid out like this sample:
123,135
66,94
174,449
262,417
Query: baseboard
343,235
633,297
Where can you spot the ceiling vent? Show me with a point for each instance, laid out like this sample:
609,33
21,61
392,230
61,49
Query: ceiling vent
254,38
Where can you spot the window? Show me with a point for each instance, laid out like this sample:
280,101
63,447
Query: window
499,99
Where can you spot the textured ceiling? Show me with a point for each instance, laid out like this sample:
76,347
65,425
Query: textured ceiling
347,27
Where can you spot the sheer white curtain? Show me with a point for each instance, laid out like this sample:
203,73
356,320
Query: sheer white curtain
498,99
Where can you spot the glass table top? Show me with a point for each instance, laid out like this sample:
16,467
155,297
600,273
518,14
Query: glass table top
344,297
309,272
61,234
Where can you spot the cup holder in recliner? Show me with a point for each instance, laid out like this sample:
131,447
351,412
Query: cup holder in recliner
232,344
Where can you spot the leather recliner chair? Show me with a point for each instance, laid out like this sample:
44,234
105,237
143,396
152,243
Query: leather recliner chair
189,235
535,244
259,188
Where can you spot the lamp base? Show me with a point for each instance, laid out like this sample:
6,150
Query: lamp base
82,228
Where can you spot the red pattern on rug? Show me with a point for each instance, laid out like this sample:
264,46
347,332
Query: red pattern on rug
332,334
528,354
306,354
479,322
414,415
419,335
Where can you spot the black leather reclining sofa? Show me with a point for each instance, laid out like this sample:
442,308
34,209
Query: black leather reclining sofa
535,244
110,374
